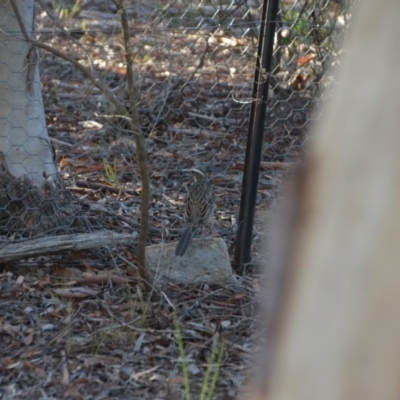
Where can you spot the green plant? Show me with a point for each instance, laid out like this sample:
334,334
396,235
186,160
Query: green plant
207,387
111,173
185,370
63,11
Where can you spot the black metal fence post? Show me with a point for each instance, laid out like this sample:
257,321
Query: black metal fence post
255,134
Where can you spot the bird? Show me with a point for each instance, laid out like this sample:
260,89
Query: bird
198,210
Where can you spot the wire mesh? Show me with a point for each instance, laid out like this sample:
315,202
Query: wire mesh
193,68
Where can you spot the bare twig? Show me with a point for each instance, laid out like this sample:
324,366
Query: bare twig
65,32
132,118
88,73
141,153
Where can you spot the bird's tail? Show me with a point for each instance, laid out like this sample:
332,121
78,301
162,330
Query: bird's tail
184,242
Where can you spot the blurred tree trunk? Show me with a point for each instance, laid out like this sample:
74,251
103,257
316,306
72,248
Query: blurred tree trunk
24,139
337,333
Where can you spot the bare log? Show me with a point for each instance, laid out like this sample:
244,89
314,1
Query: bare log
19,250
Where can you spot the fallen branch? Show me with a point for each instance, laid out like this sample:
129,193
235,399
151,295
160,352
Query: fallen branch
19,250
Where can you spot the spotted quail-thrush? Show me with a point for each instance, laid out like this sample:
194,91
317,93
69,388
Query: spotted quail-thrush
198,209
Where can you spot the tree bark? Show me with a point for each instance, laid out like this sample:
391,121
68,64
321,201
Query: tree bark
337,333
24,138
